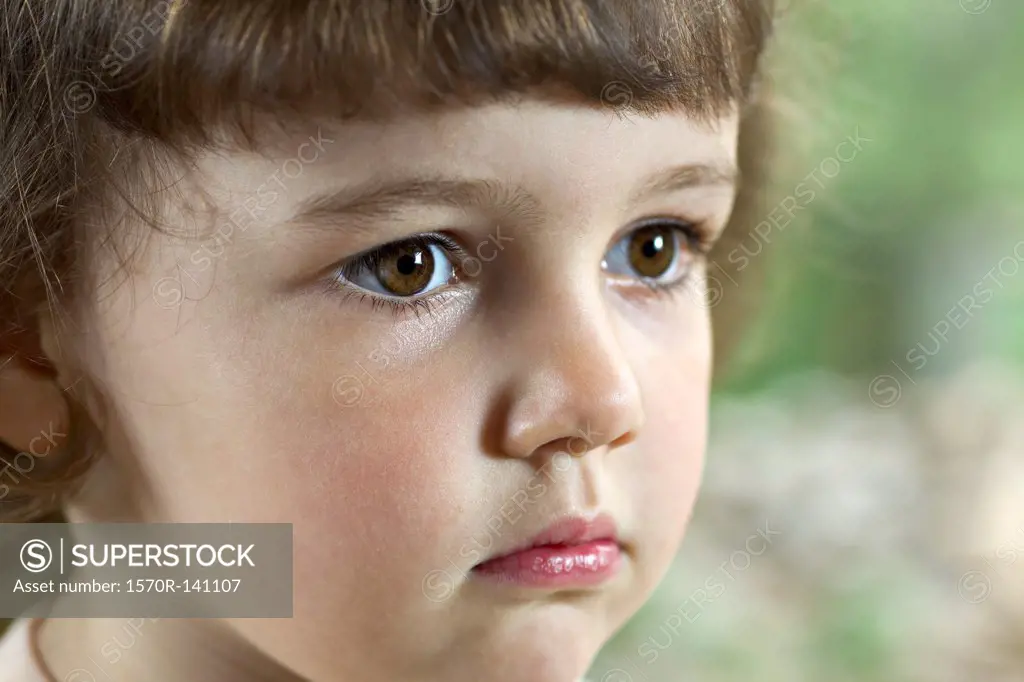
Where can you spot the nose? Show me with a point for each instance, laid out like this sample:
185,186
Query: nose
572,385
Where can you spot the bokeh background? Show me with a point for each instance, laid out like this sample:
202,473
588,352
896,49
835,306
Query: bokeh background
862,516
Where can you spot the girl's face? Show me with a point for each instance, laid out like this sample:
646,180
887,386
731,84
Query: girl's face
546,357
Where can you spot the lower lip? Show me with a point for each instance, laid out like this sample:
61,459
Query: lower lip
556,566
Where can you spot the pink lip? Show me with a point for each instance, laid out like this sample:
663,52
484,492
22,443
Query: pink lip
574,552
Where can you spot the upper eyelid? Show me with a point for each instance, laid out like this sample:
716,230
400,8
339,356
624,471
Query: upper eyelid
705,235
443,240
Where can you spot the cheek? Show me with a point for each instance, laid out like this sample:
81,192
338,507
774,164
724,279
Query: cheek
665,479
377,489
371,457
275,418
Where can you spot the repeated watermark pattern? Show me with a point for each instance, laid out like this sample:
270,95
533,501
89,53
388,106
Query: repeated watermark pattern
437,7
711,290
885,390
695,605
23,463
975,6
975,585
169,291
114,650
439,584
80,96
349,389
618,96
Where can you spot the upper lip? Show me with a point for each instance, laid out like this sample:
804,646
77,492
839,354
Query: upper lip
571,530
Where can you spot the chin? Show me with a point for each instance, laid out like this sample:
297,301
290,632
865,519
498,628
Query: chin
554,642
541,665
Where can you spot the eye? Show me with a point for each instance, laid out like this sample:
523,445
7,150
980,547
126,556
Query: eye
405,269
659,254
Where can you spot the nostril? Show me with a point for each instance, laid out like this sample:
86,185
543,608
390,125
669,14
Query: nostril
566,447
625,439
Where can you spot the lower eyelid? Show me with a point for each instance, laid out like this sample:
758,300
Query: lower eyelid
455,288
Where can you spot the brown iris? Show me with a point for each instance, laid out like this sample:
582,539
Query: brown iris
405,270
652,250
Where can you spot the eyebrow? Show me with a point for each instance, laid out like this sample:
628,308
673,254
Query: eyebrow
687,176
382,199
379,199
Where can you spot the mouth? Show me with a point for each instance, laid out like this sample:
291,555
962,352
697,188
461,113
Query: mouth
573,552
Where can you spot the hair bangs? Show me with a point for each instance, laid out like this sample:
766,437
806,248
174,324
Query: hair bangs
180,69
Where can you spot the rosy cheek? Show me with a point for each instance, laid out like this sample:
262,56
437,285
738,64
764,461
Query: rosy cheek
374,503
673,448
378,466
385,478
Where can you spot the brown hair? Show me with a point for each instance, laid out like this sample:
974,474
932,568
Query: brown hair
93,92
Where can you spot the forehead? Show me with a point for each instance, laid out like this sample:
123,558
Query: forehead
531,141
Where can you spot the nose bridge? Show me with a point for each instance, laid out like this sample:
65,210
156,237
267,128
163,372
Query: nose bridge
571,378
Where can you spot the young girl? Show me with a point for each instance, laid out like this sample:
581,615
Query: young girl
423,279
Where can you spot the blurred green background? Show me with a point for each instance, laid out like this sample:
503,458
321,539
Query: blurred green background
925,210
863,507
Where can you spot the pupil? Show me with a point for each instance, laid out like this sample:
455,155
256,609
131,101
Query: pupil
407,264
653,246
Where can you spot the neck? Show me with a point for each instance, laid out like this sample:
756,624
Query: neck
156,650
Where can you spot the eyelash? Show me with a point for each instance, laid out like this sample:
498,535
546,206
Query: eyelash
696,237
369,260
399,308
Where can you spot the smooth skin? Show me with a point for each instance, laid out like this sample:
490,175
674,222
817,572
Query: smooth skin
241,385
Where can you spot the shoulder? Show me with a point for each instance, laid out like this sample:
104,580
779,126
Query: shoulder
16,663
